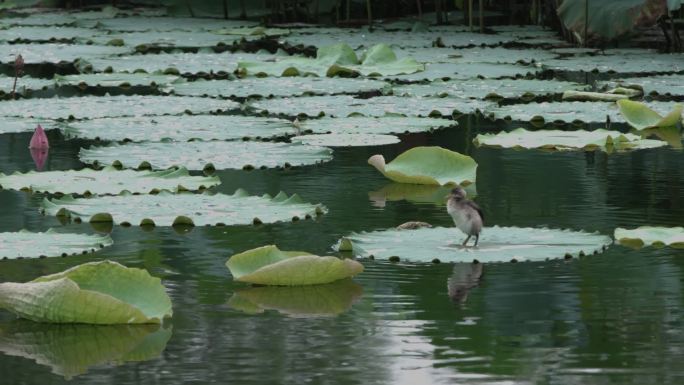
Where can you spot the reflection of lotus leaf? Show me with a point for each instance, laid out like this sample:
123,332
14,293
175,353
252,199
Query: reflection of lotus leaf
497,244
69,350
651,236
418,193
299,301
641,117
26,244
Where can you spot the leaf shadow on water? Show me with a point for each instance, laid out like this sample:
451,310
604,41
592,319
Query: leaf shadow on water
71,349
299,301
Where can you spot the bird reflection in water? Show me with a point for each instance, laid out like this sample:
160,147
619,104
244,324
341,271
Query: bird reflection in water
464,277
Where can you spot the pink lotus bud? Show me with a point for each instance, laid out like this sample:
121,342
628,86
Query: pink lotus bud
39,139
39,156
19,64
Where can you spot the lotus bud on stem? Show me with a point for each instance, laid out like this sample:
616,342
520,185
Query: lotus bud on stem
18,70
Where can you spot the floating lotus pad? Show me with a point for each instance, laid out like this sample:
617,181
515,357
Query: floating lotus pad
114,79
168,39
346,140
335,60
625,63
428,165
102,292
464,71
345,105
61,347
478,55
557,140
24,84
484,88
268,265
298,301
651,236
270,86
202,155
14,124
253,31
374,125
45,33
497,244
167,24
91,107
651,85
586,112
106,181
167,209
26,244
55,53
179,128
639,116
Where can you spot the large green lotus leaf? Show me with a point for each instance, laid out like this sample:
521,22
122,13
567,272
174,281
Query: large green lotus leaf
199,155
639,116
275,86
299,301
106,181
374,125
174,39
672,135
650,236
55,53
417,193
115,80
166,209
345,105
70,349
44,34
102,292
335,60
179,128
477,55
167,24
557,140
346,140
91,107
497,244
24,84
464,71
26,244
267,265
181,62
483,88
655,63
428,165
13,124
671,85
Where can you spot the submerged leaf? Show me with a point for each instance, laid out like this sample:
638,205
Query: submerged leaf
639,116
94,293
26,244
167,209
651,236
497,244
428,165
267,265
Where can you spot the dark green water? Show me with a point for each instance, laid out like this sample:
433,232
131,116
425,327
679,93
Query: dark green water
615,318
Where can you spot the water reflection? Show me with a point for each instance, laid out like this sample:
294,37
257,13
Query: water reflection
415,193
70,349
299,301
465,276
39,156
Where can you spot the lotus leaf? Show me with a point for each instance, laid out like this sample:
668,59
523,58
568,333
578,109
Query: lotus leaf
38,19
13,124
55,53
485,88
652,85
45,34
639,116
299,301
586,112
24,84
479,55
335,60
179,128
61,346
26,244
90,107
201,155
267,265
497,244
346,140
345,105
557,140
374,125
114,79
275,86
525,31
656,63
102,292
593,96
106,181
166,209
168,24
253,31
175,39
651,236
428,165
464,71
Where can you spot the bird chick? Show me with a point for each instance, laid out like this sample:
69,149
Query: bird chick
466,214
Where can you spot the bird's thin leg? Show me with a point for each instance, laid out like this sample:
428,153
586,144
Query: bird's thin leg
477,239
466,241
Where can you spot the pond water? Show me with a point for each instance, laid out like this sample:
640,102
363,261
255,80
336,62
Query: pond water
614,318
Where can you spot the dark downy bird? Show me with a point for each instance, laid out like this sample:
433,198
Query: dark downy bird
466,214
